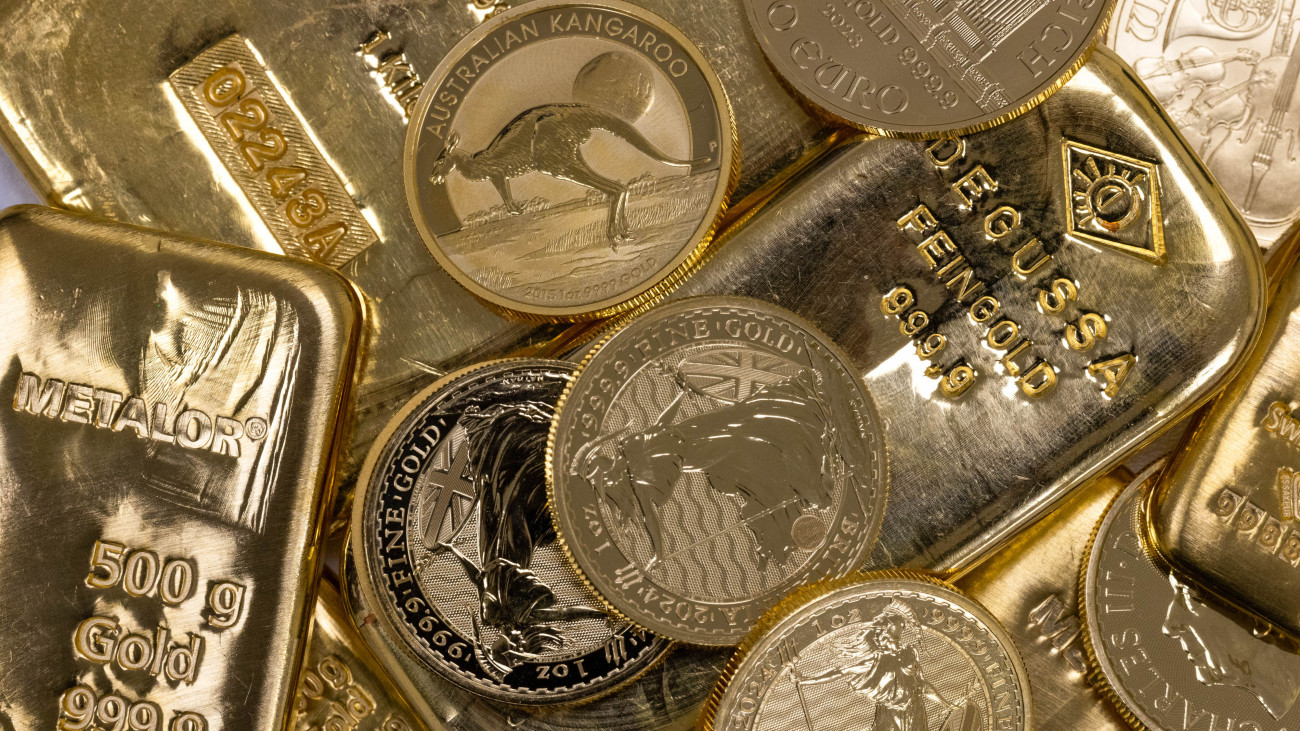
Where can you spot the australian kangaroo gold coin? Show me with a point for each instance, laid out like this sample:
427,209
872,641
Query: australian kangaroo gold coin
571,160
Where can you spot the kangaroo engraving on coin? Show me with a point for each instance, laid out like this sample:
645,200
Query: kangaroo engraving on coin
1225,71
459,550
926,68
711,456
570,159
1169,656
891,652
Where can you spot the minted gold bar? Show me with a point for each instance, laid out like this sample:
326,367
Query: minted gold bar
166,462
1227,511
341,684
307,158
667,697
1032,587
1027,304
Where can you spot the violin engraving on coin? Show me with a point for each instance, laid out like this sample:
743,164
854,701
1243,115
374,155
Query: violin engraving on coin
461,554
926,68
1168,655
1225,71
710,457
570,159
891,652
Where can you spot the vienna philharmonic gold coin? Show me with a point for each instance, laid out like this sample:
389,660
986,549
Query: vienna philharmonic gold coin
342,685
1225,72
571,159
926,68
459,552
1169,656
167,443
874,651
1228,511
710,457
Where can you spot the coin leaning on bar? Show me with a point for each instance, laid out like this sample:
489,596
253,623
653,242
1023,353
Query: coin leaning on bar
581,174
924,68
893,650
1167,655
458,549
709,457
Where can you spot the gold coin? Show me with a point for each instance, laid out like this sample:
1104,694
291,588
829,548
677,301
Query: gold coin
571,160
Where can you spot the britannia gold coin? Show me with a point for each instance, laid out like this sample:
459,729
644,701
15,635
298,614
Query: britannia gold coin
710,457
892,650
927,68
455,544
1169,656
569,160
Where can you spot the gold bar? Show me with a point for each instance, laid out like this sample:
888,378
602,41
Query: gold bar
1028,304
668,697
338,82
1227,510
1032,587
167,452
341,684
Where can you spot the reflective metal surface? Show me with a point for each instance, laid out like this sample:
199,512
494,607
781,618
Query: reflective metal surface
341,685
1225,72
166,460
708,459
927,68
668,697
86,105
1036,301
628,131
883,651
1226,514
459,552
1170,657
1032,587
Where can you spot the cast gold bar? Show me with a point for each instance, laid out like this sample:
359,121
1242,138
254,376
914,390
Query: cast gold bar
167,452
341,685
106,129
1032,587
1033,303
1226,511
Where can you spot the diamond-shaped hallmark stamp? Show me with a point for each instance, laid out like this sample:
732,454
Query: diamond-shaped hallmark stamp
1114,201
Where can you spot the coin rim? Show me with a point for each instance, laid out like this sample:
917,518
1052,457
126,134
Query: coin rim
668,277
380,606
810,593
873,527
1097,675
1006,114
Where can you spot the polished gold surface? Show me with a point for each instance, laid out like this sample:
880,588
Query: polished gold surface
341,684
87,107
1011,355
668,697
166,462
1226,512
1031,586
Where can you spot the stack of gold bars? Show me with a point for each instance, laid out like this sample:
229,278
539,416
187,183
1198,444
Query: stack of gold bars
575,365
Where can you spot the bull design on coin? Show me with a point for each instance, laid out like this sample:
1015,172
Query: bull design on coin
893,651
570,159
483,594
710,457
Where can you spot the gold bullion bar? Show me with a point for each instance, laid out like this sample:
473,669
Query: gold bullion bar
1032,587
667,697
113,128
341,684
1027,304
1227,510
166,463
